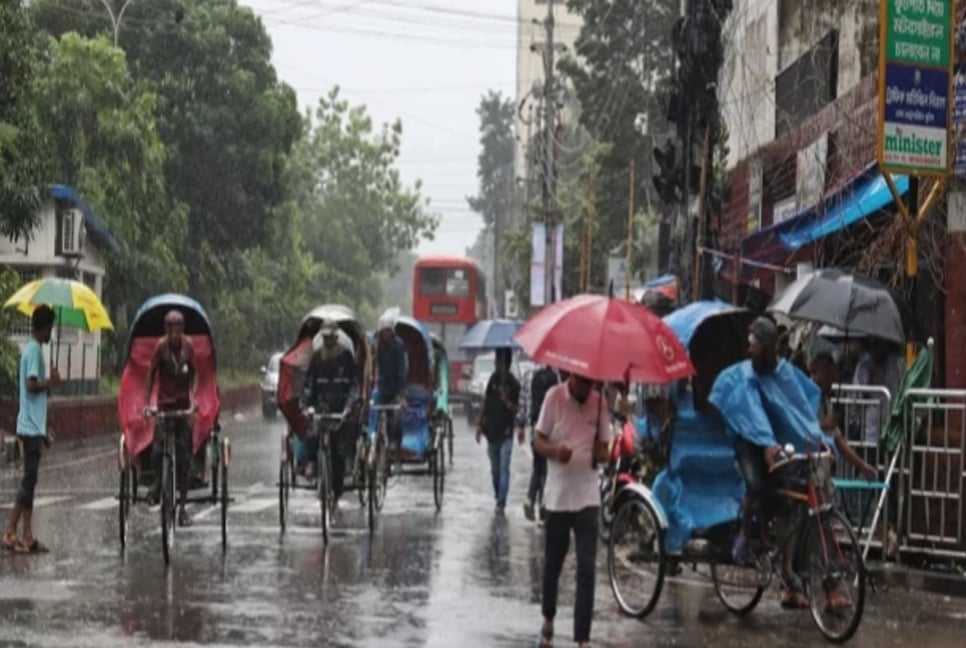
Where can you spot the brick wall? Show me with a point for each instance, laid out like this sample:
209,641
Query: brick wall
79,418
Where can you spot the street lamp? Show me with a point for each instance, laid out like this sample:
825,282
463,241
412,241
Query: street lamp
116,20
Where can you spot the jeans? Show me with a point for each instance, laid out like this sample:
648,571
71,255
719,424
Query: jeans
557,528
32,450
499,451
538,477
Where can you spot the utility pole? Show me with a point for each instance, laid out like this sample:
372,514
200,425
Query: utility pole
591,216
630,230
549,171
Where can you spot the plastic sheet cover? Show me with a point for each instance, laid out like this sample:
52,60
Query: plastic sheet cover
415,418
701,487
776,409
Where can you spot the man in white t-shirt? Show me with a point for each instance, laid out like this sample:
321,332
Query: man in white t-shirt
573,433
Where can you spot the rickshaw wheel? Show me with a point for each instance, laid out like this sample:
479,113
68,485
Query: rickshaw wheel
284,482
167,508
124,504
828,566
638,597
224,505
214,461
439,475
325,489
449,437
738,588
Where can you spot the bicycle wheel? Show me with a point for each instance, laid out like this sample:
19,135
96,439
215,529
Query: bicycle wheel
439,476
635,558
739,588
224,504
606,515
830,561
382,475
284,484
213,461
449,438
324,485
124,504
167,507
361,471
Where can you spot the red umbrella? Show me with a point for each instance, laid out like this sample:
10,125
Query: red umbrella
605,339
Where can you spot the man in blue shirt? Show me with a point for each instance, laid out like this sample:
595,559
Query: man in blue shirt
31,429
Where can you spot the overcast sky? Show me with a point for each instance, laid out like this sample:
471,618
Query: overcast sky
424,61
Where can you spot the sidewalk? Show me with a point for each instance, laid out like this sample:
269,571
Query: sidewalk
892,575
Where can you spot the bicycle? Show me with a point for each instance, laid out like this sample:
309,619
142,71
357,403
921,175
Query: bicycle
377,462
825,551
168,476
328,424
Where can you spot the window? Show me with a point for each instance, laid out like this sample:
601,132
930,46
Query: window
90,280
444,282
807,85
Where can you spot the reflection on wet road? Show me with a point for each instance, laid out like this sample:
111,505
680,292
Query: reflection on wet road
462,578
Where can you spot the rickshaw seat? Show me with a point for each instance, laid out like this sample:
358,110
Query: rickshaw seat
139,433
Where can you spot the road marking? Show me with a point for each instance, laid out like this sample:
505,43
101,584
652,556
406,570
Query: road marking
206,512
40,501
253,505
100,505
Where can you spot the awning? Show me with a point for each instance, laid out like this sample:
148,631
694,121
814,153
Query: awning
666,285
100,234
861,196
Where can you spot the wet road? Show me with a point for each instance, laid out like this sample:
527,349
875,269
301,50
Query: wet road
462,578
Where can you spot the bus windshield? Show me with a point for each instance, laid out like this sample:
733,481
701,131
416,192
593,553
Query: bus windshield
444,282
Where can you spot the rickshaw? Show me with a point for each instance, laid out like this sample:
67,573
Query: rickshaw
294,364
442,420
692,514
422,442
211,452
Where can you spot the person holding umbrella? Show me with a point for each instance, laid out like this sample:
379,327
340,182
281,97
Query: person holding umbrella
35,387
496,423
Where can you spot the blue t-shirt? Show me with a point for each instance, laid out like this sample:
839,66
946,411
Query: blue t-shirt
32,419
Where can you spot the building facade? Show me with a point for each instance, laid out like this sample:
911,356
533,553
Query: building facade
69,242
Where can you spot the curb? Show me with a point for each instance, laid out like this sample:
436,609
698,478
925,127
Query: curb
898,576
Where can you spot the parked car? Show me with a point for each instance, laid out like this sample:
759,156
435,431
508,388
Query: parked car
270,386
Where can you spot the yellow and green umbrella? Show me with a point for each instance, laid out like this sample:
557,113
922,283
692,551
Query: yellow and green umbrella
76,305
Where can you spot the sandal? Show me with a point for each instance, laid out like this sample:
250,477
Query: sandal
35,547
10,543
546,636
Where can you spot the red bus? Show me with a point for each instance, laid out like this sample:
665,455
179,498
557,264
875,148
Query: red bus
449,296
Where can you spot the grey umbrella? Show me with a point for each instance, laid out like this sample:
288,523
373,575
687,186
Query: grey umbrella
857,306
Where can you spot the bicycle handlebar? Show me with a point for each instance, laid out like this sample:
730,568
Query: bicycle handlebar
386,408
166,414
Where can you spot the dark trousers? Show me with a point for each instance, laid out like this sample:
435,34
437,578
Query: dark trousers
557,528
182,450
32,451
538,477
340,445
751,465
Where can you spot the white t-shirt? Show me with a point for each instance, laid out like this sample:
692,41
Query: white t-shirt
573,486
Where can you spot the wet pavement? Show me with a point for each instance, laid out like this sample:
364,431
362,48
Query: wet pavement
465,577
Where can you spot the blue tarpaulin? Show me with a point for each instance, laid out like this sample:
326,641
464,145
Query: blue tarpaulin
864,195
776,409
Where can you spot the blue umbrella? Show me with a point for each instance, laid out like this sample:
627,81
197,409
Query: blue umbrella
489,335
686,321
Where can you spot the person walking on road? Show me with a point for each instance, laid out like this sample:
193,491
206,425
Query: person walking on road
35,387
573,433
534,390
496,423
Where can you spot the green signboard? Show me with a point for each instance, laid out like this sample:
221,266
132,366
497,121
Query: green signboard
915,86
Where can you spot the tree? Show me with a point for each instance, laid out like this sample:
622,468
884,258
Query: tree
358,214
22,146
102,125
624,62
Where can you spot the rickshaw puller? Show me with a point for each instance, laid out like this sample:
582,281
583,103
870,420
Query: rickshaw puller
173,365
331,385
391,374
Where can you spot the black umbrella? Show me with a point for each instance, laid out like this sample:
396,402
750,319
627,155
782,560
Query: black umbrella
855,305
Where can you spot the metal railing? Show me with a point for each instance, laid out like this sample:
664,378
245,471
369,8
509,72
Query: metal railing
872,507
934,433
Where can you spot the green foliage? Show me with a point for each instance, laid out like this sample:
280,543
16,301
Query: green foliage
9,352
22,146
102,124
623,67
188,145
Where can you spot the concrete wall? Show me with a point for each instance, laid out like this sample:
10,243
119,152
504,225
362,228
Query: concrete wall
72,419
